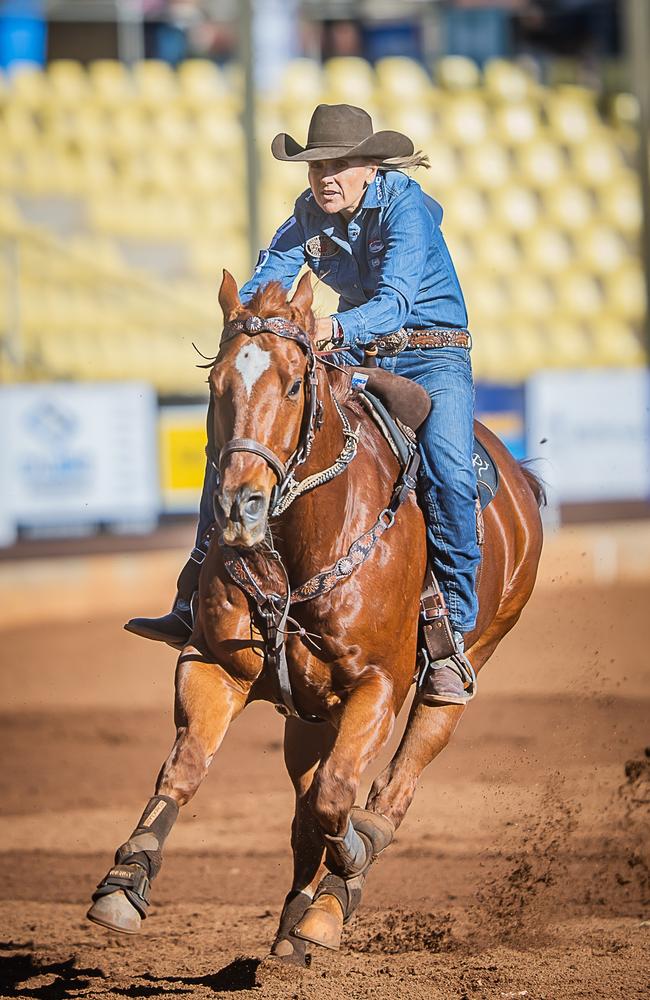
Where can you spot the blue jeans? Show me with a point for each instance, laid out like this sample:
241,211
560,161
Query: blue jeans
447,478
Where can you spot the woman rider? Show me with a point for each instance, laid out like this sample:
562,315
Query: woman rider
368,230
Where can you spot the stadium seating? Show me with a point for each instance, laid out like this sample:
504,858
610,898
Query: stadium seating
541,203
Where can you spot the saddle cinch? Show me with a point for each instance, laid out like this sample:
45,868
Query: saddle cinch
399,407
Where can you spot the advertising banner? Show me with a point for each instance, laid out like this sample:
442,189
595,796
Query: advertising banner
501,408
74,455
181,442
592,428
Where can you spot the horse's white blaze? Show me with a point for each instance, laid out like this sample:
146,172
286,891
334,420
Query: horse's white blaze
251,362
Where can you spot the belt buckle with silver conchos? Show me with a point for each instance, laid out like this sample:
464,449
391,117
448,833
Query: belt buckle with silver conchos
392,343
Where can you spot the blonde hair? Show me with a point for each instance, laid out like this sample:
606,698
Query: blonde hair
418,159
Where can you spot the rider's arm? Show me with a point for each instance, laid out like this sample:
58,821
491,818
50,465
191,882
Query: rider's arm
407,233
281,262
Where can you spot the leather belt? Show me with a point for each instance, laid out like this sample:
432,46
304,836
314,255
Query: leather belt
438,337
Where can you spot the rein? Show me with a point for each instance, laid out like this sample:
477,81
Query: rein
273,608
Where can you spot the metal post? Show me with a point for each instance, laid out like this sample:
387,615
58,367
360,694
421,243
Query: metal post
637,25
130,31
246,49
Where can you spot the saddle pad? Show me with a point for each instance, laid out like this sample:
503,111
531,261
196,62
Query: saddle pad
487,474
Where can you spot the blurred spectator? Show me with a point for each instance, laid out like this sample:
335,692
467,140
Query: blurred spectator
479,29
585,29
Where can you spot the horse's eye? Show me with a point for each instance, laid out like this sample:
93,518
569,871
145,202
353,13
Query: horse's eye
295,388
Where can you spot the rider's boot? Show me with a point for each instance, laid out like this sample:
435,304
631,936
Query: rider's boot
451,681
174,628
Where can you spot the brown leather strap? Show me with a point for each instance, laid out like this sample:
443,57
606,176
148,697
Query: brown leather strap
439,338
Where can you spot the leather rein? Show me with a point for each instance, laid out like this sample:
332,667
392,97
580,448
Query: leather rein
273,608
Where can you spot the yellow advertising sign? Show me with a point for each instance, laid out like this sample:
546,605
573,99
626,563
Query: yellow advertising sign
181,442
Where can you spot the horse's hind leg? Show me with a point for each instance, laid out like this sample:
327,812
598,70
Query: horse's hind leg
207,700
304,747
427,733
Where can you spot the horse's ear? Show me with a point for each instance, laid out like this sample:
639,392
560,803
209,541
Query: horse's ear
229,296
304,295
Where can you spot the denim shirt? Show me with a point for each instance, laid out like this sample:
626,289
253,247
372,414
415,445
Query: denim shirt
389,264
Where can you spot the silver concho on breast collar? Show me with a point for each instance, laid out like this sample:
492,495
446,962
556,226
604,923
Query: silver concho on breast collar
321,247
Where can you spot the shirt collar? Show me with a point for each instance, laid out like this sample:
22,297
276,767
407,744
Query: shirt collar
376,193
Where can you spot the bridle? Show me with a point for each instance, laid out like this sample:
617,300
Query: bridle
287,488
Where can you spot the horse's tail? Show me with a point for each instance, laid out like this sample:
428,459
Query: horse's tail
535,482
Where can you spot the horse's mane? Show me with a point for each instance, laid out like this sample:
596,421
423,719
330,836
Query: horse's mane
272,300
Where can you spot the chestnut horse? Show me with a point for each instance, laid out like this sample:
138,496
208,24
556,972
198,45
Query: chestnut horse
350,649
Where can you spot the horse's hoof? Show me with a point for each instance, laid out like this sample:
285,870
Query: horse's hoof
377,828
322,923
115,912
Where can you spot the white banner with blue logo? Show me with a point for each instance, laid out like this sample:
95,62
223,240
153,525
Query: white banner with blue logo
592,430
74,455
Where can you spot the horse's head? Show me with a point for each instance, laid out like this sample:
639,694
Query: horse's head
263,385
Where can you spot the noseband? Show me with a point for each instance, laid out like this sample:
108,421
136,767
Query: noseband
289,330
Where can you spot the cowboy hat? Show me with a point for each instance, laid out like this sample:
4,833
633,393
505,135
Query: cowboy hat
338,130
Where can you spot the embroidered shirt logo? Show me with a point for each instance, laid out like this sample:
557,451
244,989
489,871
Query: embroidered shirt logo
321,247
375,246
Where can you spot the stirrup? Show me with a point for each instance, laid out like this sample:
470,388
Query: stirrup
459,663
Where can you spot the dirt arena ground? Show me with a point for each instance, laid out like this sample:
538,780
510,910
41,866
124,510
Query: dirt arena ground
522,869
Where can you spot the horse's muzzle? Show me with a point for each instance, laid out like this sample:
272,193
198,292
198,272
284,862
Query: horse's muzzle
242,514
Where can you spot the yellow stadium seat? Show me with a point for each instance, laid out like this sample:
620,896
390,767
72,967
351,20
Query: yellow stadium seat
579,293
223,135
417,122
464,119
465,210
514,207
625,292
620,203
541,163
155,82
597,160
616,341
506,81
349,79
530,294
569,206
497,251
403,80
28,88
68,82
546,249
302,83
516,122
601,248
111,83
18,128
202,83
128,130
444,171
486,297
569,343
172,128
572,114
487,165
457,73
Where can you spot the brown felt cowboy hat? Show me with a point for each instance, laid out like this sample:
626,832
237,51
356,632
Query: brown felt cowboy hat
338,130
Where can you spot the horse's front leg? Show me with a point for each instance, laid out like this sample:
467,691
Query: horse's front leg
207,700
353,837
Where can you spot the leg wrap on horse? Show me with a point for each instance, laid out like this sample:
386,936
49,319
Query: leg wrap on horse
346,890
348,855
138,861
367,835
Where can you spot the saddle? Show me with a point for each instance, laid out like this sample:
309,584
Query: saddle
399,407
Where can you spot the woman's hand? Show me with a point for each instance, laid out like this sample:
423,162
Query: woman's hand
326,336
